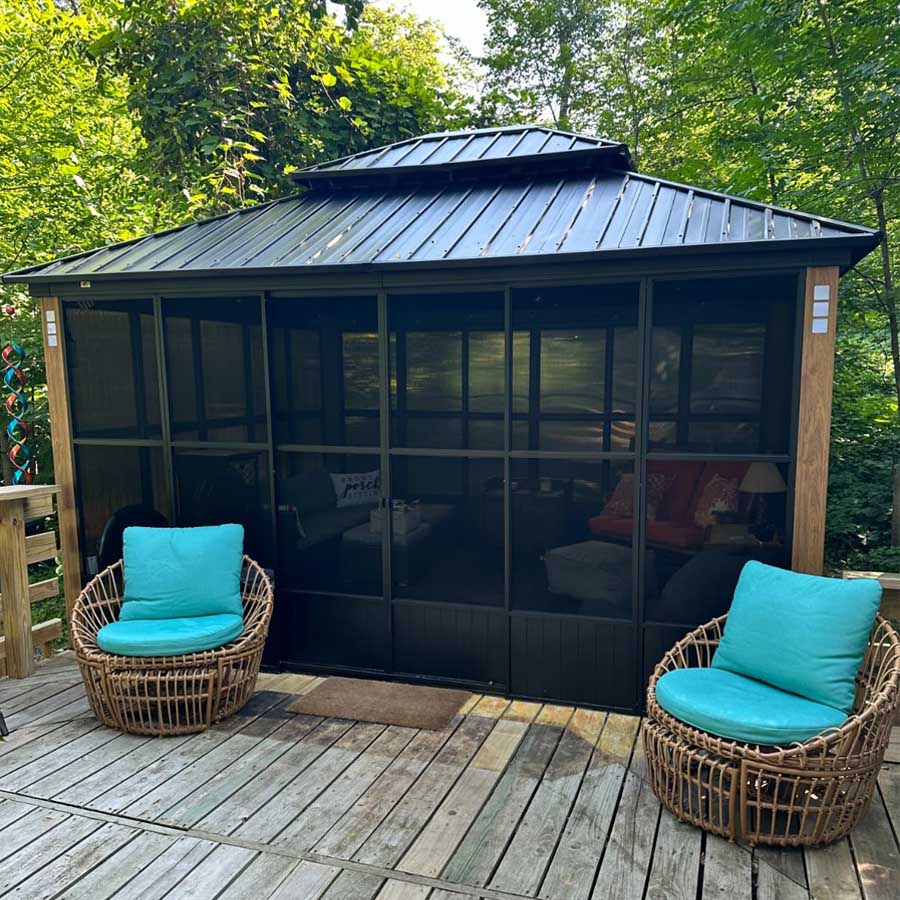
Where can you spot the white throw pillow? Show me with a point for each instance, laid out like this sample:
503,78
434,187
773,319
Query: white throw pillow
357,488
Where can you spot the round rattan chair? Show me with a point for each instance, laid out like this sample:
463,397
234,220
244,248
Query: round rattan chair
806,794
168,695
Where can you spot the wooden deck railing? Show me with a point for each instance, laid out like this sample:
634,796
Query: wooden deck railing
19,506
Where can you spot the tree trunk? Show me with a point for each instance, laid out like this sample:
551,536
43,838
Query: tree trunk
895,511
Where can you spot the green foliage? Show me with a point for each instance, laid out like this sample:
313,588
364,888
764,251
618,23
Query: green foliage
232,95
794,102
118,118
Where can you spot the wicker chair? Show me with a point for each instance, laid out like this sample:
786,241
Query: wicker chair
168,695
806,794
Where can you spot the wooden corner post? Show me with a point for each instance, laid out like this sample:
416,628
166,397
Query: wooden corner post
61,440
814,418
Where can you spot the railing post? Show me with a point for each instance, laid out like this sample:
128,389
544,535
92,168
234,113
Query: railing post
15,591
14,587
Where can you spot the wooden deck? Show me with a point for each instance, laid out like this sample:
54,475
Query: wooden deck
512,800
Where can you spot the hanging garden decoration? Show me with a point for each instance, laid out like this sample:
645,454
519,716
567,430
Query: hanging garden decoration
17,406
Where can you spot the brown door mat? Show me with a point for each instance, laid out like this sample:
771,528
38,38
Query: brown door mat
387,703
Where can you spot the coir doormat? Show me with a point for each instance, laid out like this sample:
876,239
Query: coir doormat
387,703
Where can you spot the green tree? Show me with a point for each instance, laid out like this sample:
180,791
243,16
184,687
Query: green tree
538,54
232,95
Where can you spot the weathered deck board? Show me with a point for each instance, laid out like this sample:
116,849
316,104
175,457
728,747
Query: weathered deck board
876,854
675,867
477,856
268,822
832,874
357,824
523,865
571,873
511,800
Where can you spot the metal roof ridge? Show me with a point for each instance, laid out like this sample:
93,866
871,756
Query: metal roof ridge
339,163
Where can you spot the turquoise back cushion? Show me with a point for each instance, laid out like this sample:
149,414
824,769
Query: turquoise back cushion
176,572
801,633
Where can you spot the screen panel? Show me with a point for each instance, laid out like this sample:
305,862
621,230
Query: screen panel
112,369
215,371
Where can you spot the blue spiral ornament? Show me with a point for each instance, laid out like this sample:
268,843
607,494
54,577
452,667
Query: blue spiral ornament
17,406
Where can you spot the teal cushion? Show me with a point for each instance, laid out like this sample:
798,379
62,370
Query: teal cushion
175,572
741,709
169,637
801,633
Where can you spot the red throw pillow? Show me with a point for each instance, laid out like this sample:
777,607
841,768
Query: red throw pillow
719,495
621,503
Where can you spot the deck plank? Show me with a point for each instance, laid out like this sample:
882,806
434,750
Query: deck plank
787,861
60,697
727,870
11,812
136,756
434,846
626,862
315,821
876,854
831,872
477,856
95,760
773,884
675,868
227,781
555,794
167,870
215,871
39,852
44,726
154,804
574,864
272,818
523,865
260,879
350,885
84,735
74,863
271,781
165,769
390,840
116,871
357,824
309,880
20,831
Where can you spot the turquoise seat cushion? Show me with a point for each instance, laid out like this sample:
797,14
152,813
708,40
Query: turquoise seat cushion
172,573
802,633
169,637
732,706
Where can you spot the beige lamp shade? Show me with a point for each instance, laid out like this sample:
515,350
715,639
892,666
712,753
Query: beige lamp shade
763,478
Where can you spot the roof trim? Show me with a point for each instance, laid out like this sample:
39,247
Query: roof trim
861,243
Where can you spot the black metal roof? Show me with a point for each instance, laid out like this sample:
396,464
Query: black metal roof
502,215
483,152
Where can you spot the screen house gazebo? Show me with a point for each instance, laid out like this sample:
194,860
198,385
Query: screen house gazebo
497,410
